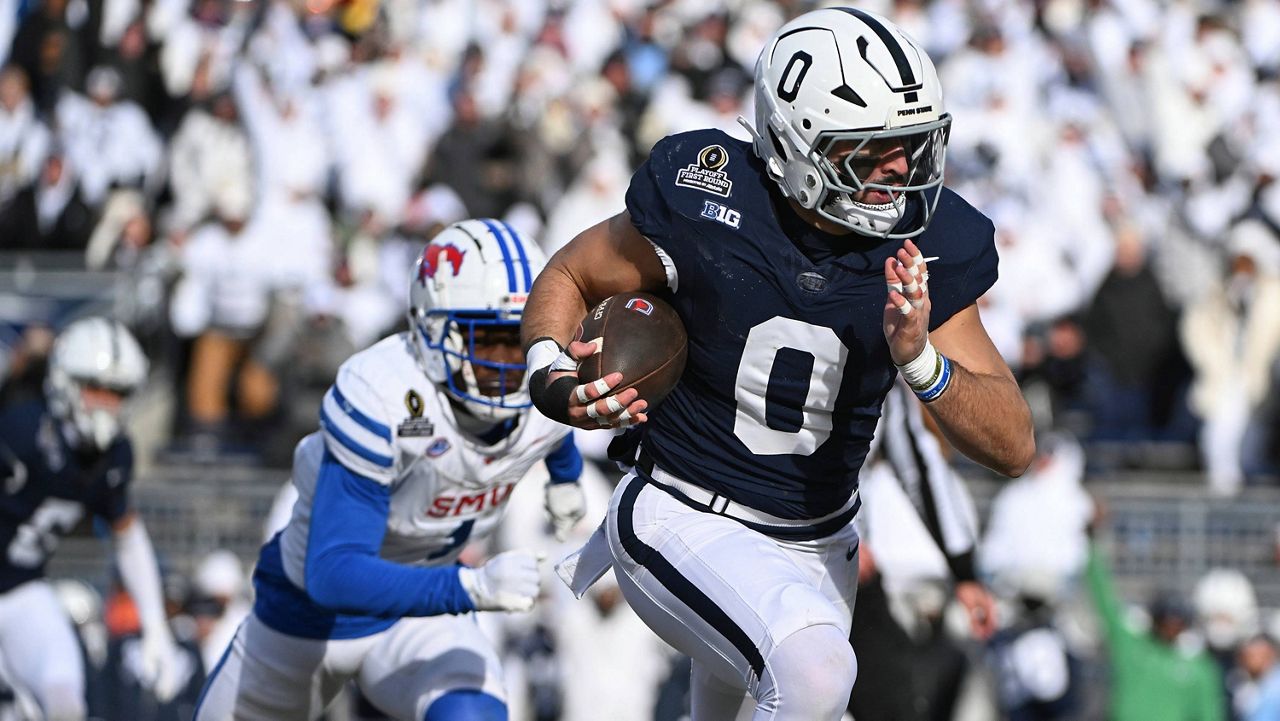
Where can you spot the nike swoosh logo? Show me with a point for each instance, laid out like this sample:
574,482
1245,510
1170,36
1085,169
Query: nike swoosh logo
849,554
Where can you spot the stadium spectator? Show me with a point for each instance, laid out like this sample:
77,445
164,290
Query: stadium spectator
1232,338
223,301
47,47
24,139
109,139
1132,345
209,151
50,214
475,157
1153,676
1257,698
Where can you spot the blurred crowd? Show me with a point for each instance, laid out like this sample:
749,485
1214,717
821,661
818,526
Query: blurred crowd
264,170
260,173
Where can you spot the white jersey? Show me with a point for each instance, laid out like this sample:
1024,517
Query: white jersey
384,420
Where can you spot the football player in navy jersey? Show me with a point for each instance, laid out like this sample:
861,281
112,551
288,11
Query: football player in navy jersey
797,265
61,456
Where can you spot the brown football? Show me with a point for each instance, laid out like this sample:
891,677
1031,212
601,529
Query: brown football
641,337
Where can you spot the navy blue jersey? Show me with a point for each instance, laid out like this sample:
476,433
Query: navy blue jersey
48,486
788,364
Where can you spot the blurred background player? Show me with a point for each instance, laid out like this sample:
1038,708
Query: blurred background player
62,456
423,438
919,534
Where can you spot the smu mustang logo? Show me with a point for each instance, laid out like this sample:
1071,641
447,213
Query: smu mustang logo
640,305
431,260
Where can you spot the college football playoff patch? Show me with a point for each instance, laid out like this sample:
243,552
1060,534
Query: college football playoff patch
706,174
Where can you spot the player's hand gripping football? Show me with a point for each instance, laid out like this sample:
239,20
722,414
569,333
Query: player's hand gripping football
588,405
906,313
506,582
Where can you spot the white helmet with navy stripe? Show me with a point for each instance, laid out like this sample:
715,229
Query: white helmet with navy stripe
475,273
92,356
833,82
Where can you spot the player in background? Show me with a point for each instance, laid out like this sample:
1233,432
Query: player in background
918,531
62,456
797,264
422,438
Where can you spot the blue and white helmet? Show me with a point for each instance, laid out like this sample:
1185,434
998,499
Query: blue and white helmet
850,77
474,273
97,353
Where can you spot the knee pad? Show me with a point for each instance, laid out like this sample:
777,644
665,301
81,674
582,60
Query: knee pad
809,675
466,705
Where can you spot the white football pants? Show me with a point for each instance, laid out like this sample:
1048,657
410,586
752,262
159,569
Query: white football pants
765,621
39,649
266,675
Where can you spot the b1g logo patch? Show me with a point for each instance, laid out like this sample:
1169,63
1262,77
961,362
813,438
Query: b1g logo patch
706,174
640,305
721,213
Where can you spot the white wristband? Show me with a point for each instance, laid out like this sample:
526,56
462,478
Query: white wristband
542,354
921,371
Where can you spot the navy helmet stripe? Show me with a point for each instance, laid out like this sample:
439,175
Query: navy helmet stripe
679,586
895,48
524,258
506,254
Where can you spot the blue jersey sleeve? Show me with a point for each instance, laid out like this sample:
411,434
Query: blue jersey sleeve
565,462
343,570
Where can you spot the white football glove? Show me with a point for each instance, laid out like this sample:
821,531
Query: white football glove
566,504
506,582
163,670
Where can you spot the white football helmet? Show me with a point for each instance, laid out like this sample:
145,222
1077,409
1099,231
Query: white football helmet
842,79
475,273
93,353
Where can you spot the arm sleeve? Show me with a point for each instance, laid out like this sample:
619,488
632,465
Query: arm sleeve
934,488
343,570
137,562
565,462
1213,703
355,428
1098,577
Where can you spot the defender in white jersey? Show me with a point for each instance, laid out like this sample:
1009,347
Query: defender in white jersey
422,438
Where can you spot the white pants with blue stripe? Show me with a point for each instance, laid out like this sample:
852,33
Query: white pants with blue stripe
728,597
266,675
